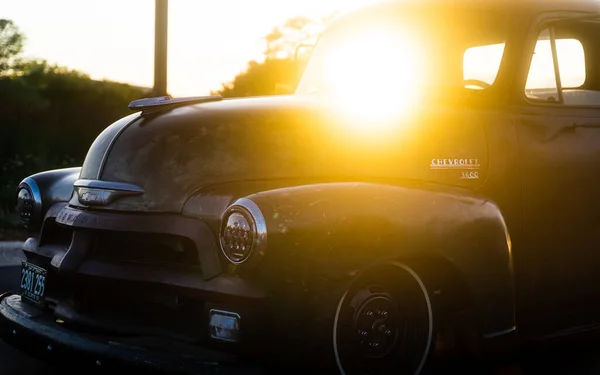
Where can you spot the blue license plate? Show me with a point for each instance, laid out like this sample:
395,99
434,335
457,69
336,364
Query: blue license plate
33,282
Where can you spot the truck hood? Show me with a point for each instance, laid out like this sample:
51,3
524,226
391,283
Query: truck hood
172,155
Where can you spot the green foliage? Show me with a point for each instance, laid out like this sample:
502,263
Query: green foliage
10,228
279,73
271,77
50,115
11,44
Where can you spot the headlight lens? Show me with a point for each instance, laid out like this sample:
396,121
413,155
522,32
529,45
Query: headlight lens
25,206
29,203
243,231
238,237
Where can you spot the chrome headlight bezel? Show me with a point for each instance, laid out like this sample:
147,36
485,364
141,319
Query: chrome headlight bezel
29,210
257,236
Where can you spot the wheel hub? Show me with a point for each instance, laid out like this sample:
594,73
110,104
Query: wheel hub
376,326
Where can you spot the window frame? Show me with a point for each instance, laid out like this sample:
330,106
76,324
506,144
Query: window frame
500,62
548,22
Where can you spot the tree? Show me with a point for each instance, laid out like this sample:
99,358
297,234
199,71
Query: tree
49,114
282,41
270,77
11,45
278,73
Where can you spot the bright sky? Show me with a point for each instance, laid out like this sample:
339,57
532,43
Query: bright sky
209,41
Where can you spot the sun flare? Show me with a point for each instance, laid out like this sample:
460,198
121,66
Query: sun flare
373,76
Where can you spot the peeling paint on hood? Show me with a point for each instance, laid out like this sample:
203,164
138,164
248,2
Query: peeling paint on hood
173,154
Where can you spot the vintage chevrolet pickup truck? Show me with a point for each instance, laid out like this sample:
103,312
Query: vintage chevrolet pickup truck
430,187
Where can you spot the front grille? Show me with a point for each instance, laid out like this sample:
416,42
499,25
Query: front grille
149,248
54,234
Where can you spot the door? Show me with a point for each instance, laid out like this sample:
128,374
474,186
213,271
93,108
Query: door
559,145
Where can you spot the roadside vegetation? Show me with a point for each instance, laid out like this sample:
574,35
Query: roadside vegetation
49,115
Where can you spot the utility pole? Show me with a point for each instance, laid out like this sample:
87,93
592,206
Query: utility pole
161,23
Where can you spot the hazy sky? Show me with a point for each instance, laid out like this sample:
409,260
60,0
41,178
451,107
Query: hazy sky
209,40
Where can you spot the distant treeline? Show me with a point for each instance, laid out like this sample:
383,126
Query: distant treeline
49,116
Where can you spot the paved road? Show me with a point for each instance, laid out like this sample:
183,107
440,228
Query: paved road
10,253
577,358
13,362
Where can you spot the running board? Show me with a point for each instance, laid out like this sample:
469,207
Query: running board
589,328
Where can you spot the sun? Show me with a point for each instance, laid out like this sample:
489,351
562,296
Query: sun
373,76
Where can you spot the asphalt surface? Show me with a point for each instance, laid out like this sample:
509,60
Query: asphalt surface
576,357
11,253
13,362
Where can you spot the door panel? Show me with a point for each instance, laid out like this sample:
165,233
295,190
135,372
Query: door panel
560,166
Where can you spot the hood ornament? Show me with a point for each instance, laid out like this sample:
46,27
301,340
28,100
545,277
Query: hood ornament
149,105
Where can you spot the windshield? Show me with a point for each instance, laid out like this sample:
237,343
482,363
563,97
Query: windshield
407,51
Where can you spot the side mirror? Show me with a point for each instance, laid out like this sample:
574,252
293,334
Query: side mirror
304,49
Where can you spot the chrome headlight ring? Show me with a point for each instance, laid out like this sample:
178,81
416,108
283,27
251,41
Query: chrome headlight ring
243,231
29,203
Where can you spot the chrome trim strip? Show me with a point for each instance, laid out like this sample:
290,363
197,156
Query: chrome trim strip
102,193
112,143
229,314
100,197
261,224
500,333
108,185
30,184
260,244
225,313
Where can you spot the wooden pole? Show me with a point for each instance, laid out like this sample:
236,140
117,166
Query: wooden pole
161,20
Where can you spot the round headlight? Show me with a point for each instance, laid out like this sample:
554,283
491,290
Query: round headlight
25,206
243,231
29,203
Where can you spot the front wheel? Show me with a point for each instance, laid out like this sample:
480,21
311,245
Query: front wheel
384,324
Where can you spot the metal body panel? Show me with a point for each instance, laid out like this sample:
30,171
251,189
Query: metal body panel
501,190
560,169
56,185
83,222
518,7
51,187
173,155
37,335
331,232
94,160
558,156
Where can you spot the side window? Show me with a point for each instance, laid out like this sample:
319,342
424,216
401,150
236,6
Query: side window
541,81
481,65
557,73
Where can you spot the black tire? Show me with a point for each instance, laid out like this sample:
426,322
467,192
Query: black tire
384,323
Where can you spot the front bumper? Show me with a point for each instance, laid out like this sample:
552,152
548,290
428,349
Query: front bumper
37,333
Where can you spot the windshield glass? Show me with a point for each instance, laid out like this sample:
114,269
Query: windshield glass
407,51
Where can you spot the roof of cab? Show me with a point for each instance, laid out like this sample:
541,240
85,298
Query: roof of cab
509,6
